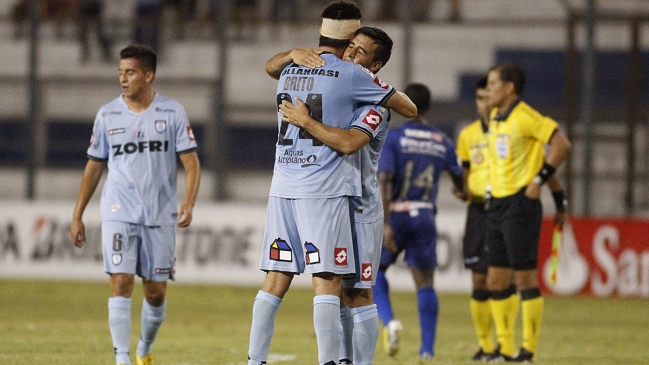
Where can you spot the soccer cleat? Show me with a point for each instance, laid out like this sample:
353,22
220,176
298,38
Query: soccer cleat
497,357
146,360
345,362
425,357
483,356
391,335
524,356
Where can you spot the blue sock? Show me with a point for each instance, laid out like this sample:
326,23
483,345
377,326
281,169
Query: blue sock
366,334
152,318
119,322
347,322
326,321
263,326
428,309
381,293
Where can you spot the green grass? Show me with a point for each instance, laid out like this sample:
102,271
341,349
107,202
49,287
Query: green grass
64,323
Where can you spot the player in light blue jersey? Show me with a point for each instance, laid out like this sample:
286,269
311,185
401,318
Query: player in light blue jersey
139,135
413,158
308,225
371,48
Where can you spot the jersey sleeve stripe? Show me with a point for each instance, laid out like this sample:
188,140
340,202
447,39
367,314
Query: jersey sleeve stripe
364,131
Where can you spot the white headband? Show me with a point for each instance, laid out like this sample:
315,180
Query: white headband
339,29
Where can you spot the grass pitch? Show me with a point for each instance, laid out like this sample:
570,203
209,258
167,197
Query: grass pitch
64,323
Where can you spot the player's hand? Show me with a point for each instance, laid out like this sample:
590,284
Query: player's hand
78,233
185,216
533,191
388,239
297,114
307,57
560,218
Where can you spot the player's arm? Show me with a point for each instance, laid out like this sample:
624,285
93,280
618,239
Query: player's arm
385,187
557,153
91,176
192,168
345,141
401,103
464,193
308,57
559,197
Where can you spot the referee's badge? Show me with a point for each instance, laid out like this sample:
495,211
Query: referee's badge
477,158
502,146
160,126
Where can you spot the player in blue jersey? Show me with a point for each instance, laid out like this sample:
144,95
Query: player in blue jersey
308,225
371,48
413,158
139,135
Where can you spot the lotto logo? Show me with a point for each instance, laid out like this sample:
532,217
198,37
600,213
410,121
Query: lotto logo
366,271
340,256
190,133
372,119
382,84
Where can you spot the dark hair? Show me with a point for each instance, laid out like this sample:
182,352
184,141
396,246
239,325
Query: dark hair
383,43
481,84
511,72
420,95
339,10
145,55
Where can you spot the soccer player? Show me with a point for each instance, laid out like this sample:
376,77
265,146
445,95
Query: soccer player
518,168
472,151
413,158
138,135
371,48
308,223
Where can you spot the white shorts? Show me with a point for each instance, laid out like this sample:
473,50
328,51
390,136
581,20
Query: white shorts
308,235
369,241
146,251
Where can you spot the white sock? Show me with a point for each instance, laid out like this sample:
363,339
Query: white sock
347,322
119,322
264,311
326,321
366,334
152,318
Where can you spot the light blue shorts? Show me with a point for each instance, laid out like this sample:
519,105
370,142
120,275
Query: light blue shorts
146,251
308,235
369,240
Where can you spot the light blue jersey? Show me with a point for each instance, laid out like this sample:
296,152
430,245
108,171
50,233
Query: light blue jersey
304,166
373,120
141,150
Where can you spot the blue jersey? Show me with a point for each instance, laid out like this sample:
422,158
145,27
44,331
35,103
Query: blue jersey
141,151
373,120
417,154
304,166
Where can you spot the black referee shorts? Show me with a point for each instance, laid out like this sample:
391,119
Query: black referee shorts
475,241
513,229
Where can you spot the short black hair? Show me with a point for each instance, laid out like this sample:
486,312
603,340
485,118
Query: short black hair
420,95
383,42
481,84
511,72
145,55
339,10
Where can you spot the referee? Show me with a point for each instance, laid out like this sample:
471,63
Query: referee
518,168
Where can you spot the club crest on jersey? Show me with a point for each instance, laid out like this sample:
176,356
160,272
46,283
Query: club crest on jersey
116,259
312,253
280,251
366,271
160,126
372,119
340,256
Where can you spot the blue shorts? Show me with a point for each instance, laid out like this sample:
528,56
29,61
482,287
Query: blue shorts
368,239
308,235
146,251
417,235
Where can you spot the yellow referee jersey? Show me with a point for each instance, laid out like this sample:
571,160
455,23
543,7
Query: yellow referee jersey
516,148
472,149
